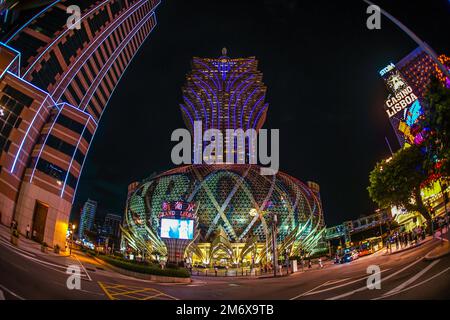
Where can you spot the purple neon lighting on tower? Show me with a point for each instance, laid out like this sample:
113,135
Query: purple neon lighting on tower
219,88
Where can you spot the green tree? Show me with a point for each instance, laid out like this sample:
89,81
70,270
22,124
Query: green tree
396,181
436,121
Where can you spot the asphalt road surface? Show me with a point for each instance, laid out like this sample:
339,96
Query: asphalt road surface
404,275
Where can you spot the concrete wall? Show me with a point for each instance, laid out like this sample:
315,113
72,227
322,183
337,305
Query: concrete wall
57,216
6,210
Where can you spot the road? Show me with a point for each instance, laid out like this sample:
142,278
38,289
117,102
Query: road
404,275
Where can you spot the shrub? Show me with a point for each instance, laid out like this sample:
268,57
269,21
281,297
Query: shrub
145,268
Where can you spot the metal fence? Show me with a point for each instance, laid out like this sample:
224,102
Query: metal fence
236,272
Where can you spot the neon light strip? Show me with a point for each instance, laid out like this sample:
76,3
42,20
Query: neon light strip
259,114
210,101
230,84
231,98
138,27
19,55
34,87
125,17
192,107
10,64
78,110
238,96
245,104
26,135
51,128
32,19
61,35
44,143
217,100
208,74
253,109
106,104
73,156
189,115
203,106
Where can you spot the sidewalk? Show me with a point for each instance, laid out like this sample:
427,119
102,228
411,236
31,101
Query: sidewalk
409,247
29,245
440,251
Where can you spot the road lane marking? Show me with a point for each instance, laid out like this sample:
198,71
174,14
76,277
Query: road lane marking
10,292
110,297
82,266
151,297
15,248
381,281
311,292
412,279
414,286
305,293
330,282
49,265
2,296
133,292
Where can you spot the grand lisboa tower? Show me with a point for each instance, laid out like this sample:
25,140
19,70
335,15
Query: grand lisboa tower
234,209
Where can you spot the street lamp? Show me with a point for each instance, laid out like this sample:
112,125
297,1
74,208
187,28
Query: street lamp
71,240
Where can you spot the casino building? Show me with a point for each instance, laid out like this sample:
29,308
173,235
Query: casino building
55,83
236,212
406,82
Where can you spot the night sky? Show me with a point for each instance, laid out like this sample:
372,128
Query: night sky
320,64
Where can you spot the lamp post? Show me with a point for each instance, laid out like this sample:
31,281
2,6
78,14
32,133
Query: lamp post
71,238
274,244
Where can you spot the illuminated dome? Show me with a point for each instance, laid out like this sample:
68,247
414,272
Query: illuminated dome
234,203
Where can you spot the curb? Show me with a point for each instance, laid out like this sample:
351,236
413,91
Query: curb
407,249
430,256
151,277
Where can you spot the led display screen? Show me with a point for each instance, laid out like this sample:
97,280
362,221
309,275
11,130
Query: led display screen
177,229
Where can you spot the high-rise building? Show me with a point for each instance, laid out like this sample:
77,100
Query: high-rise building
223,213
55,82
87,217
407,81
224,93
112,225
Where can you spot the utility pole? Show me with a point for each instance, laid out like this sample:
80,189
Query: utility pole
274,244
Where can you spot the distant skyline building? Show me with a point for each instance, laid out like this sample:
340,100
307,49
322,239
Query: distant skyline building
112,225
87,217
55,84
